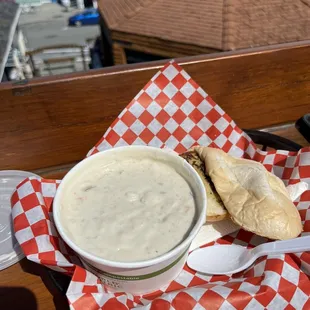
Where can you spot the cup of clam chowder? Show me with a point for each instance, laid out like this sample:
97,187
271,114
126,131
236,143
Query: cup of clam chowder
131,213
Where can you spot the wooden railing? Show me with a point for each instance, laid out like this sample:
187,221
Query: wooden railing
52,122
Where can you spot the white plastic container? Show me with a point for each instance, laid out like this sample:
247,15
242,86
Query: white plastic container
10,250
142,276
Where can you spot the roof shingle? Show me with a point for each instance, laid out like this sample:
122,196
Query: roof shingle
222,24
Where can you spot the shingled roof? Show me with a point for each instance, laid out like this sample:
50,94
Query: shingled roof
221,24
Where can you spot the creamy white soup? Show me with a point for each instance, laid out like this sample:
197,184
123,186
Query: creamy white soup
131,210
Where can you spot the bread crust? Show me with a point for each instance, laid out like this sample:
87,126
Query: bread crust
216,210
256,199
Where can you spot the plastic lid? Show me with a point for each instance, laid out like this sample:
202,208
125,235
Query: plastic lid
10,251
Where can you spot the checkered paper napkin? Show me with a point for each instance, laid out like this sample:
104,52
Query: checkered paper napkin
173,111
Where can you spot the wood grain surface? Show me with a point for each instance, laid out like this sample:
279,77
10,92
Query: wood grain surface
48,124
288,131
52,121
25,286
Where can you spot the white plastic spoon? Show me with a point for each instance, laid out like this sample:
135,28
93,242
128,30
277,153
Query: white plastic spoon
229,259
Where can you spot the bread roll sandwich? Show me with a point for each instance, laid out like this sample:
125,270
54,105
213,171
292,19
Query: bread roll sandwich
256,199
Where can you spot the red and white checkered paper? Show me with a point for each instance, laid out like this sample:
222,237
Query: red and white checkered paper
173,111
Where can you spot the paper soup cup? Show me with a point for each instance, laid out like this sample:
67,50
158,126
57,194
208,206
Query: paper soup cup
138,277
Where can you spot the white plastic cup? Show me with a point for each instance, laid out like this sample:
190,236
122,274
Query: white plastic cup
138,277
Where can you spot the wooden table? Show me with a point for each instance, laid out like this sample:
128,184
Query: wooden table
49,124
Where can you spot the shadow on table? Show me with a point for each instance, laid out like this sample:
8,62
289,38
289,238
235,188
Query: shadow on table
30,267
17,298
59,298
59,295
